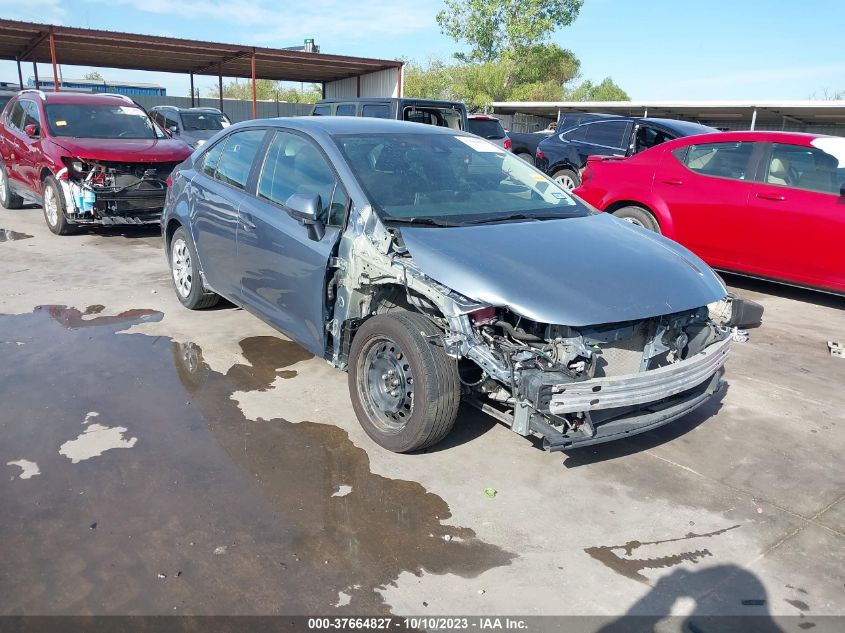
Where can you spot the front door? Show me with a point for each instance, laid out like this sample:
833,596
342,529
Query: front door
217,191
796,218
282,272
706,189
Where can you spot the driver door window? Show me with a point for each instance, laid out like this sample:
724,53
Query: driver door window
294,165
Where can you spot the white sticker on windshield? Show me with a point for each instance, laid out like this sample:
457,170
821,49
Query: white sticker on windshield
479,144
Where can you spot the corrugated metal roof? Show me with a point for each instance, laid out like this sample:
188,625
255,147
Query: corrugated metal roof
802,111
29,41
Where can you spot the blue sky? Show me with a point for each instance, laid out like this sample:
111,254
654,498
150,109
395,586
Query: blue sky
654,49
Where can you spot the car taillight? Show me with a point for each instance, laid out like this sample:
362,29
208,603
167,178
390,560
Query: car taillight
169,180
507,143
540,154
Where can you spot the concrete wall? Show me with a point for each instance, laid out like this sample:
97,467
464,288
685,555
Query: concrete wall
236,109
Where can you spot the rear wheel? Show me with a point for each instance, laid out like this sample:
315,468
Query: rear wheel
54,208
8,198
404,388
639,216
567,178
184,270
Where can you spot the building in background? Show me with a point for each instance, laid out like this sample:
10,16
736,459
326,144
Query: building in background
99,85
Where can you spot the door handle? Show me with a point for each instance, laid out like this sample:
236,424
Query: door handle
772,196
672,181
246,221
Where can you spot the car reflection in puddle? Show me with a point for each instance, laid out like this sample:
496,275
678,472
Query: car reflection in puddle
196,508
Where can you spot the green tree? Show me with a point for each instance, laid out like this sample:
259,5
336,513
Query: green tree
94,76
607,90
495,29
268,90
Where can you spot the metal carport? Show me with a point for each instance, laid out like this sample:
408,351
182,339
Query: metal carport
52,44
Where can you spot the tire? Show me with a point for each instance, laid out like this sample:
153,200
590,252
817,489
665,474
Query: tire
425,411
54,208
528,158
567,178
187,282
8,198
639,216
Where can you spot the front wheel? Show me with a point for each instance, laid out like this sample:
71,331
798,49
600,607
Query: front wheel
567,179
184,271
638,216
404,388
54,208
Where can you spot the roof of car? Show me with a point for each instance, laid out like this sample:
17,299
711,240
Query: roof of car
350,125
177,108
78,97
759,136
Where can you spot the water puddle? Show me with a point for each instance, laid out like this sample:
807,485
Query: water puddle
10,236
209,512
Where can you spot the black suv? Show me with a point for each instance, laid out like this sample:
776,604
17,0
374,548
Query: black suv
564,154
452,114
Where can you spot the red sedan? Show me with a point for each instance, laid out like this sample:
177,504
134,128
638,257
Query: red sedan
765,204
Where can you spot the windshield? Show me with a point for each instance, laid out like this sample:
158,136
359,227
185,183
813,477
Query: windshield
84,120
441,178
193,121
486,128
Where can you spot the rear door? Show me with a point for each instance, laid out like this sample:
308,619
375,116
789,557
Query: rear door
706,189
282,272
602,138
30,153
796,217
217,192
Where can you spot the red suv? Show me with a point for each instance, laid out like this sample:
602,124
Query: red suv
86,158
766,204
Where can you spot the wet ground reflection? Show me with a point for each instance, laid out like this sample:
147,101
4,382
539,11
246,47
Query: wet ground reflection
206,511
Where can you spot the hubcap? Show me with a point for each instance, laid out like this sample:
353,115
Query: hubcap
51,206
566,182
389,385
181,266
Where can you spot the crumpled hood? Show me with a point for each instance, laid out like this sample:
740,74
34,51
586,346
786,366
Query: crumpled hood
579,271
125,150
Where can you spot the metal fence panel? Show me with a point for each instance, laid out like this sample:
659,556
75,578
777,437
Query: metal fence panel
236,109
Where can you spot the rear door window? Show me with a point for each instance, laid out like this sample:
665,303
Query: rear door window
15,118
345,109
722,160
237,157
607,133
376,111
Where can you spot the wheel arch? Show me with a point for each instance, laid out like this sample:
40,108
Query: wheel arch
664,219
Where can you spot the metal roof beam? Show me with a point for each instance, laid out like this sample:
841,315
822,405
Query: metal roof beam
33,44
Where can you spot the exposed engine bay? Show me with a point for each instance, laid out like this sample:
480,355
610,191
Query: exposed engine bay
104,192
569,385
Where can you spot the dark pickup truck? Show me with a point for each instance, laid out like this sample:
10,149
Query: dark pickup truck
524,144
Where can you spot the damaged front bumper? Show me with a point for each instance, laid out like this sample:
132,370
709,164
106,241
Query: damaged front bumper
613,407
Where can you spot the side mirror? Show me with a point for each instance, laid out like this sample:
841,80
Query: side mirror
32,130
173,130
305,207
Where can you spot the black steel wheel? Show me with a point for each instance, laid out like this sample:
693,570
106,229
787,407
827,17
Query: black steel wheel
404,388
